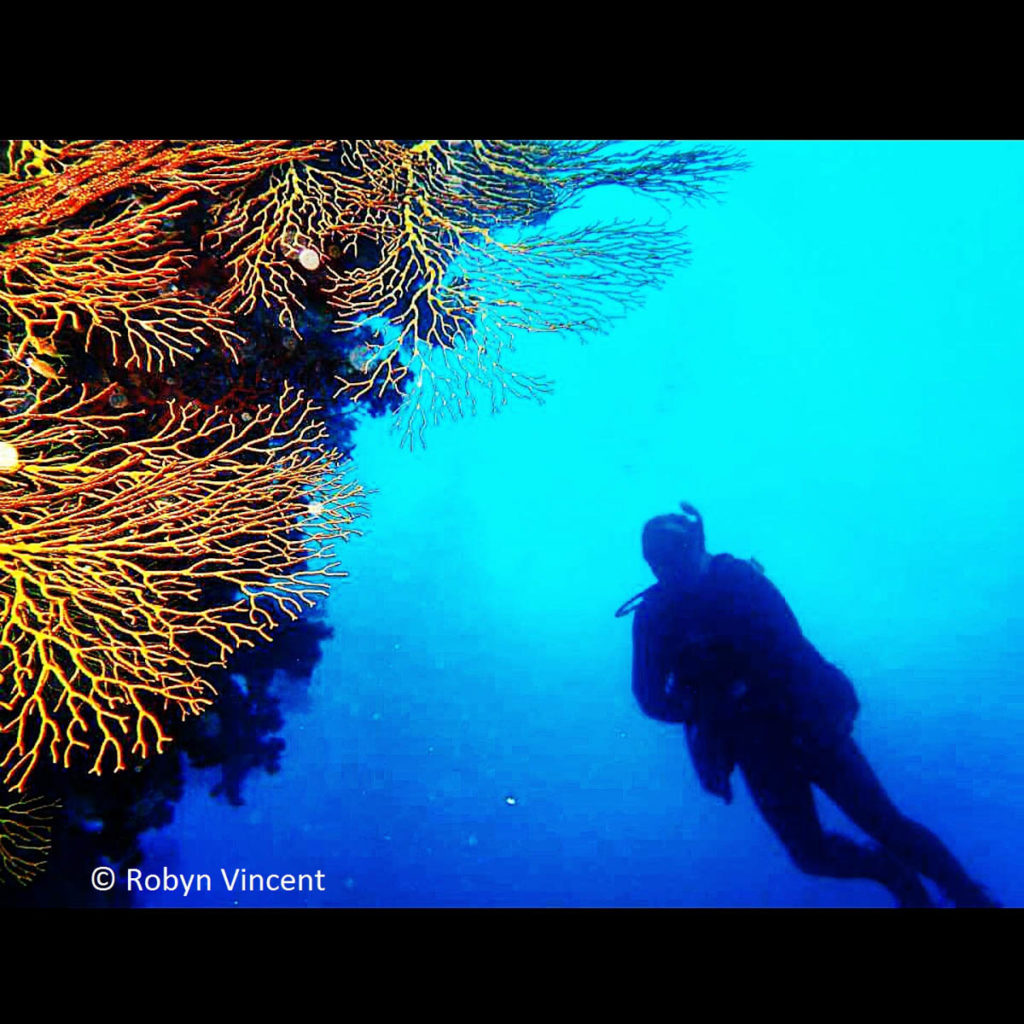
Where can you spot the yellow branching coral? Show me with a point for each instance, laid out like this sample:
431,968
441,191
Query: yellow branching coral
454,286
25,828
116,282
128,564
272,234
413,241
115,279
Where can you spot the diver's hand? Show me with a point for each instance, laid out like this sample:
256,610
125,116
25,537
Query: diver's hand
718,784
683,697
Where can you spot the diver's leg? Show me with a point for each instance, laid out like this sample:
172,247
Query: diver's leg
782,792
844,774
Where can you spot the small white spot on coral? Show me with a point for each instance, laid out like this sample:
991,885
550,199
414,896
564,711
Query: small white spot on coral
309,259
8,457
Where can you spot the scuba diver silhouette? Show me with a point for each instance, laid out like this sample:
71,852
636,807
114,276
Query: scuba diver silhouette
716,647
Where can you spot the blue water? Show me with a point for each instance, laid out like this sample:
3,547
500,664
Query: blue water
835,382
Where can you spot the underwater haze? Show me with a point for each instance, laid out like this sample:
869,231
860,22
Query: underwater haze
835,382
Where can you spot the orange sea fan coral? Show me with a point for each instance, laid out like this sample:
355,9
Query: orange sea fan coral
271,234
433,246
128,564
115,282
47,184
115,277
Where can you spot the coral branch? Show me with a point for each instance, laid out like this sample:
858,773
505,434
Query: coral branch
129,564
452,286
115,278
25,828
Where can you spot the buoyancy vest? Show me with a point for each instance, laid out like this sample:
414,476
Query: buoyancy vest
739,647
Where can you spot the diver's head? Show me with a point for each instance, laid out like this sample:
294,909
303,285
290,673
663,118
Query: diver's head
673,546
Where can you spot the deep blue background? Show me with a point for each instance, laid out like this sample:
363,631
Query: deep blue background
836,383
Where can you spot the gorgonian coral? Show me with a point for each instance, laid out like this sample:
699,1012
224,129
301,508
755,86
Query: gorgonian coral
436,250
178,506
129,561
26,825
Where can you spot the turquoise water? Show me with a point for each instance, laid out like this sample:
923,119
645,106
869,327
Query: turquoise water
835,382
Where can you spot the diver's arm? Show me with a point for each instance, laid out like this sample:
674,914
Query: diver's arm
651,673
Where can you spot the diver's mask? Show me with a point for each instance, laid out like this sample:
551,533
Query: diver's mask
668,539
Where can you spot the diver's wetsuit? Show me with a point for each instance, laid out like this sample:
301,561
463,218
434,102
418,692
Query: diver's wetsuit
730,661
